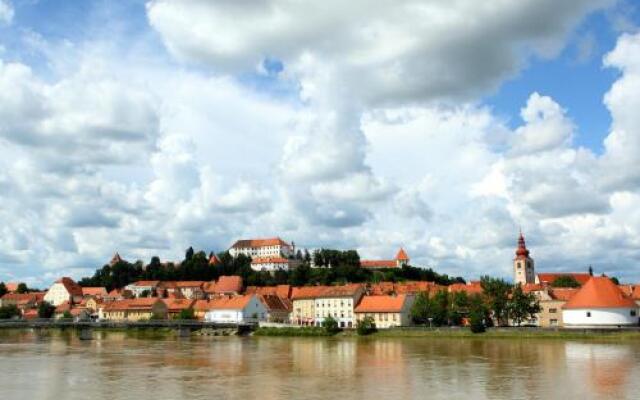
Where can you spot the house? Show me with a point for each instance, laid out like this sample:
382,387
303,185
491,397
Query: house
278,308
191,289
24,301
100,292
303,304
176,306
282,291
272,264
547,278
12,287
225,286
234,310
118,294
551,301
270,247
399,261
386,311
338,302
143,288
64,289
599,303
144,308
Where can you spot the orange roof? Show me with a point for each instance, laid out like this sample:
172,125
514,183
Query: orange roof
274,303
531,287
636,292
22,299
224,303
379,264
599,292
307,292
143,303
11,286
30,314
176,305
549,277
348,290
94,291
226,284
250,243
66,306
402,255
381,303
214,260
146,283
283,291
189,284
562,294
473,287
272,260
71,286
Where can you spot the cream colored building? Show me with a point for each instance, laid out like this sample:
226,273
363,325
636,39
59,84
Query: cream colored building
135,310
64,289
262,248
386,311
338,302
303,304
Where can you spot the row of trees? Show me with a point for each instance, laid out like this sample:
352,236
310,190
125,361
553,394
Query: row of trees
22,288
500,302
335,266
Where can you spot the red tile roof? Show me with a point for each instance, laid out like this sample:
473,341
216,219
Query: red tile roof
473,287
252,243
283,291
348,290
307,292
22,299
177,305
226,284
381,304
531,287
379,264
275,303
71,286
562,294
12,286
402,255
224,303
190,284
147,283
214,260
599,292
143,303
94,291
550,277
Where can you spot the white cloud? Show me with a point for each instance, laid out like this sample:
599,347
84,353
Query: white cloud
6,12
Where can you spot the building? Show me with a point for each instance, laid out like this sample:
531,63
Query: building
135,309
225,286
176,306
338,302
12,287
523,266
278,308
551,301
184,289
64,289
262,248
24,301
386,311
144,288
100,292
272,264
303,304
399,261
600,303
234,310
547,278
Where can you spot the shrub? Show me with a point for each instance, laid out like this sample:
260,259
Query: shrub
46,310
366,326
187,313
10,311
330,325
476,322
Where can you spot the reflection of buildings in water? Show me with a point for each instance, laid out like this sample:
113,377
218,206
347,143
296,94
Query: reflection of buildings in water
383,372
604,368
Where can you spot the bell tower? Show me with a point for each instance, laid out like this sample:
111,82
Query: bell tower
523,270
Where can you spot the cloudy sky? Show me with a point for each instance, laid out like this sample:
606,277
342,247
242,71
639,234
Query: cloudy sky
441,126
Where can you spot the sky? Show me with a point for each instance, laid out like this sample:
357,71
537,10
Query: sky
444,127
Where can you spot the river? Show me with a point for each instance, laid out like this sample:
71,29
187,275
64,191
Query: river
121,366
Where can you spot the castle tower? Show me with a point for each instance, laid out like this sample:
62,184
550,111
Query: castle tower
523,270
402,259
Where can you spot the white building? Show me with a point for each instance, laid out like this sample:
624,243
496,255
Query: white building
338,302
235,310
141,288
523,266
262,248
599,303
64,289
272,264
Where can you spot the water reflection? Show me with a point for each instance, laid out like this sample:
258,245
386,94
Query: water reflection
48,365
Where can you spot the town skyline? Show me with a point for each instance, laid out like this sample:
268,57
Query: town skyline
146,127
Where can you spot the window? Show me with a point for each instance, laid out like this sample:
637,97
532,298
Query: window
553,310
633,313
588,314
553,322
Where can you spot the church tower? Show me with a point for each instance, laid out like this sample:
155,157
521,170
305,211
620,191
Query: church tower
523,271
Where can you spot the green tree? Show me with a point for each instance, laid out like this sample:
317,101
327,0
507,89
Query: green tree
366,326
615,280
497,293
188,255
565,281
46,310
3,289
22,288
67,315
522,306
187,313
330,325
478,314
9,311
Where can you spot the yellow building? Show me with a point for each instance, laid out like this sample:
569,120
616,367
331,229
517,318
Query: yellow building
135,310
386,311
303,304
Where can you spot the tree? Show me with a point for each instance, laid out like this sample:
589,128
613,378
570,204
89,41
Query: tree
46,310
565,281
330,325
422,309
522,306
8,312
188,255
366,326
478,314
186,313
615,280
22,288
497,292
67,315
3,289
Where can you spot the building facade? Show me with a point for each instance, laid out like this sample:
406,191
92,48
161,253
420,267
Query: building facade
64,289
262,248
523,266
338,302
386,311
